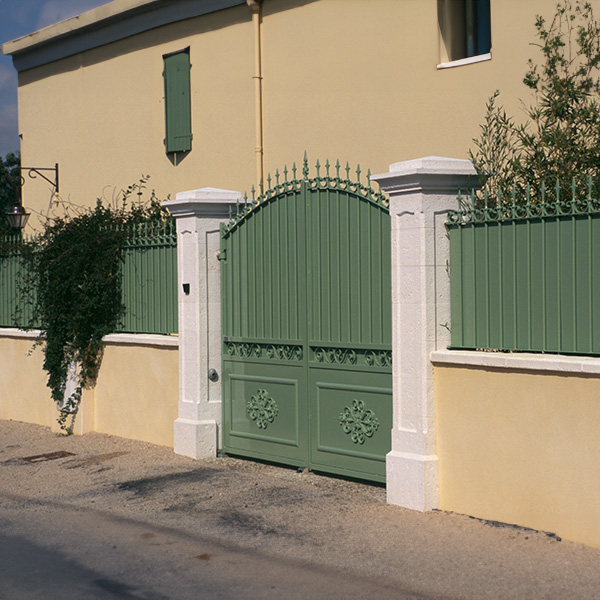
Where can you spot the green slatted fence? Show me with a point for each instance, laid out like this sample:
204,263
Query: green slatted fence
149,281
15,311
525,273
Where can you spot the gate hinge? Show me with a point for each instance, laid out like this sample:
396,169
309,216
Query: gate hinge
222,255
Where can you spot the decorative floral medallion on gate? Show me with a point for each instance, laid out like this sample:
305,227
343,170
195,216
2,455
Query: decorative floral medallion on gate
358,422
262,409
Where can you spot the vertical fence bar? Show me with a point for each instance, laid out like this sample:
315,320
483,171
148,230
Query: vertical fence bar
590,284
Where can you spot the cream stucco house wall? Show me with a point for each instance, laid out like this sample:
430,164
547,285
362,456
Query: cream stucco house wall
362,81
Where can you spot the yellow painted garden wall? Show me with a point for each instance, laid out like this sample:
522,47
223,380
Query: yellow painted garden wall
135,396
23,392
520,447
341,78
137,392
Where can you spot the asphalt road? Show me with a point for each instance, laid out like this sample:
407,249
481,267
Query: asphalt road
98,516
55,552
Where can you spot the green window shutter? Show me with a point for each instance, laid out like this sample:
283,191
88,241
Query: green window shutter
178,110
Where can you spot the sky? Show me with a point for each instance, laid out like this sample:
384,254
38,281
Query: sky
18,18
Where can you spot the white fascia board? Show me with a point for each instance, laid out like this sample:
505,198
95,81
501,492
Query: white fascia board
115,21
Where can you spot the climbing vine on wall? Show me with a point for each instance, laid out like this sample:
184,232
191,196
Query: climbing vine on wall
74,287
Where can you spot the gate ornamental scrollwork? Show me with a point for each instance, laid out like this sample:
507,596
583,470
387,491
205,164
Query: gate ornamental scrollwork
262,409
358,422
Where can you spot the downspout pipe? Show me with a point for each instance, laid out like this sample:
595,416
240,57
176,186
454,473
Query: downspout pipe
256,9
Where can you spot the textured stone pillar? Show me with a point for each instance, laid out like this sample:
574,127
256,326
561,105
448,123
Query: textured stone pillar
421,193
198,215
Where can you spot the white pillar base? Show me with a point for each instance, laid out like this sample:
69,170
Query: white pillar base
412,480
196,439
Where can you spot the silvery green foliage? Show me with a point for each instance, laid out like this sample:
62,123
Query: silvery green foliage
559,137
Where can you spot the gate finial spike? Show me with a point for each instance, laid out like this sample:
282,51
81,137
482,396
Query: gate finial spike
543,190
305,166
294,170
276,176
347,171
318,167
269,181
337,168
253,192
327,165
358,172
285,172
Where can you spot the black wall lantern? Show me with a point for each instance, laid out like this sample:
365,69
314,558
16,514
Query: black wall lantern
17,216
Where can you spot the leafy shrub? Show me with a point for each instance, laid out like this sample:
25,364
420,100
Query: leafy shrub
560,135
74,285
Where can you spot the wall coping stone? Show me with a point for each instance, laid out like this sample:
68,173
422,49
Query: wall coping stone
128,339
519,361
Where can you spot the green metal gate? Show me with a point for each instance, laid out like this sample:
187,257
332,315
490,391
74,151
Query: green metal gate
307,325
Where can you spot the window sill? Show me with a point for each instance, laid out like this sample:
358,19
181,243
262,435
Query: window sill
465,61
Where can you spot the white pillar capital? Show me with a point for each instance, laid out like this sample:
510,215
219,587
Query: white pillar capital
430,175
204,203
421,192
198,215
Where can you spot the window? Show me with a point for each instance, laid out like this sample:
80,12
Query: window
178,109
465,29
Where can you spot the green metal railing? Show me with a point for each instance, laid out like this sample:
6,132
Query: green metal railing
15,310
149,281
525,273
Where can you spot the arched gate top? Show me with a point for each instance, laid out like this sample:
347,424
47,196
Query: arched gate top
327,177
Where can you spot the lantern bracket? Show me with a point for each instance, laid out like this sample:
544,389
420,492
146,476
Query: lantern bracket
33,173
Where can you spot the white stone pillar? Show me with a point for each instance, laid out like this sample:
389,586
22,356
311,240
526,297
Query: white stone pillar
421,193
198,215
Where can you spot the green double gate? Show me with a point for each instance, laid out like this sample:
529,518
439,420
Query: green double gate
307,326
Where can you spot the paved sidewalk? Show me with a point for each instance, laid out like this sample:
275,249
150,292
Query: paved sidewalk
285,516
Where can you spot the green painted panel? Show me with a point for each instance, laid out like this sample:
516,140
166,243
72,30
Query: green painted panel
526,284
349,266
265,412
594,274
264,269
178,113
351,422
537,269
582,284
149,281
306,286
15,302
